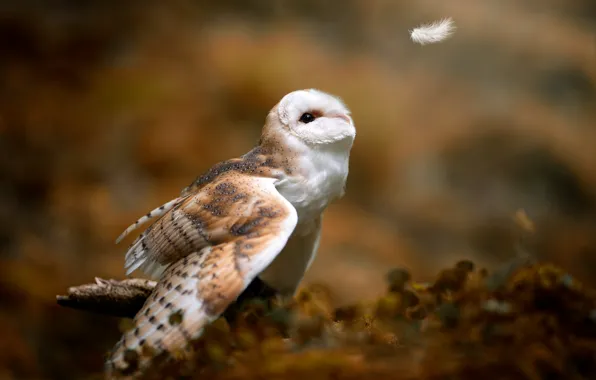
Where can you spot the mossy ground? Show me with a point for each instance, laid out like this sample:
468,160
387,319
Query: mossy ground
524,321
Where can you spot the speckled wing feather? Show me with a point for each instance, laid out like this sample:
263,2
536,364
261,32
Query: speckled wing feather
218,240
179,229
161,210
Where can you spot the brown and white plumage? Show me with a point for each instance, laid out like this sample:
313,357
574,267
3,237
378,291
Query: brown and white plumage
256,215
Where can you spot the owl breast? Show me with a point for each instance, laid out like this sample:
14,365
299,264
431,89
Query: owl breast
320,180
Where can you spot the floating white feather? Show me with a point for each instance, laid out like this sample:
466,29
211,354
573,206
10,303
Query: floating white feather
432,33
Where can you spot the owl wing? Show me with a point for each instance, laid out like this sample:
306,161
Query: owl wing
197,220
234,229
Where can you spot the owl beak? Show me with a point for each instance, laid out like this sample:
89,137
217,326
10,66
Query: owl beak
343,116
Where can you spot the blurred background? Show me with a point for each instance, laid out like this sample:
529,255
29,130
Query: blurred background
108,109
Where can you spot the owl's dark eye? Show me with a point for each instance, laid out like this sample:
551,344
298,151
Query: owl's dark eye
307,118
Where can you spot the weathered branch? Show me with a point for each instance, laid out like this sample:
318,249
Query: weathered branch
126,297
111,297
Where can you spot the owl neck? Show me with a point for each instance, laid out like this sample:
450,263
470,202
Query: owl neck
310,177
286,159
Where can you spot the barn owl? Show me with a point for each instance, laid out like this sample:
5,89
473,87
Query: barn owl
256,215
